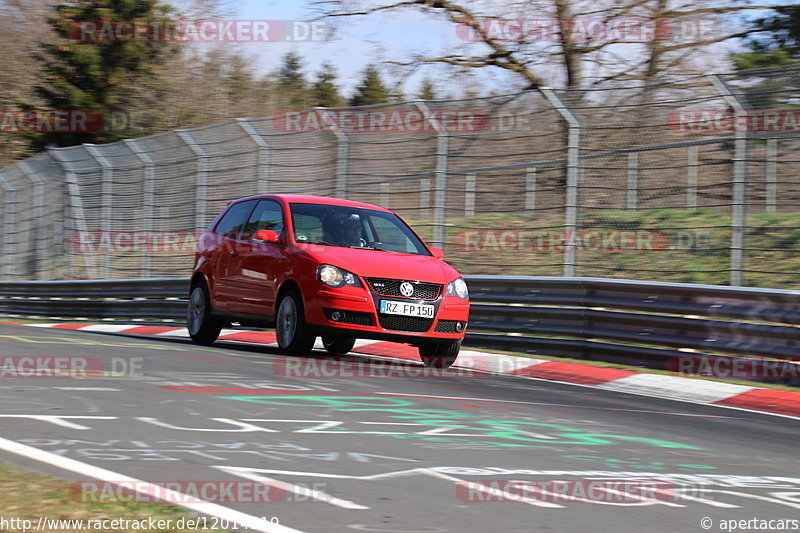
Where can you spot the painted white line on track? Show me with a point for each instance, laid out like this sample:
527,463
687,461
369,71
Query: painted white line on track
243,520
177,332
300,491
676,388
107,328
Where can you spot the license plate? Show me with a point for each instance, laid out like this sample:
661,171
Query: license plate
393,307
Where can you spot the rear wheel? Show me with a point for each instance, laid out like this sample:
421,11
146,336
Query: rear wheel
295,336
439,355
203,328
338,345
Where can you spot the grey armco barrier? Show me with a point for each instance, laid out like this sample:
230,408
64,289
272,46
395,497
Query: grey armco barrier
656,325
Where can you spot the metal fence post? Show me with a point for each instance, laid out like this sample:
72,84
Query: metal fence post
691,177
573,177
148,199
76,207
772,175
424,198
632,196
201,209
469,195
383,194
106,208
262,180
342,151
440,191
739,181
9,221
530,188
38,215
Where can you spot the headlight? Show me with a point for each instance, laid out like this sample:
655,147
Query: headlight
458,288
336,277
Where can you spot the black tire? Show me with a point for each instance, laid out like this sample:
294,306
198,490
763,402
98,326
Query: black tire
438,354
203,327
295,336
338,345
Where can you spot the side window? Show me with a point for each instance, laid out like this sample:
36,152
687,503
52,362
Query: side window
267,215
233,221
391,236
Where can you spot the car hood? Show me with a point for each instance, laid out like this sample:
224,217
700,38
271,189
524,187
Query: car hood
381,264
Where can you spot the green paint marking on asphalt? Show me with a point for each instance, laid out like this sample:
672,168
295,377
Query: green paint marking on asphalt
442,421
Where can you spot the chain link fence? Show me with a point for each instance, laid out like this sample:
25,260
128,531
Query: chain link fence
692,180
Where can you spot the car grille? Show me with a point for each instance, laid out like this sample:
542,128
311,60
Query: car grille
391,287
351,317
449,326
405,323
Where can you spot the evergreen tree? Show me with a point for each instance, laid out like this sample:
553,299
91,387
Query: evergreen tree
428,91
371,90
106,77
292,83
777,46
324,92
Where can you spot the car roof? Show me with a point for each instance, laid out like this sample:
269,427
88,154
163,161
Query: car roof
306,199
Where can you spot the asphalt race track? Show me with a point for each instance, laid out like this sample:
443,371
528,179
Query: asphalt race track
345,446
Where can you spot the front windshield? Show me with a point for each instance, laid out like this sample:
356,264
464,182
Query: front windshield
353,227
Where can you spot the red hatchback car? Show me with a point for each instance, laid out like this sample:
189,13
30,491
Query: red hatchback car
312,266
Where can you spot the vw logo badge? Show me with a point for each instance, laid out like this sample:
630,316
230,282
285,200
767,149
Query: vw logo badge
406,289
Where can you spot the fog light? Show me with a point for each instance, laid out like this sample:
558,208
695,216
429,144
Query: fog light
337,316
459,326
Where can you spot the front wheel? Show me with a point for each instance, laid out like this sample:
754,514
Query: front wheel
338,345
203,328
295,336
439,355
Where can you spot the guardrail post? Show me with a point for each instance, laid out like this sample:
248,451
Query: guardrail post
530,188
739,181
9,221
148,199
440,192
691,177
772,175
76,206
262,179
342,151
106,199
201,209
632,195
38,215
573,177
469,195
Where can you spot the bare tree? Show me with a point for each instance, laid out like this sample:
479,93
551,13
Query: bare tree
584,44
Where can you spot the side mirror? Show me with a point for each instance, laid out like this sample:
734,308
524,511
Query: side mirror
438,253
266,236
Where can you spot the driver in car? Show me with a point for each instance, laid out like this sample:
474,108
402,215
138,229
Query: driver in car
351,232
